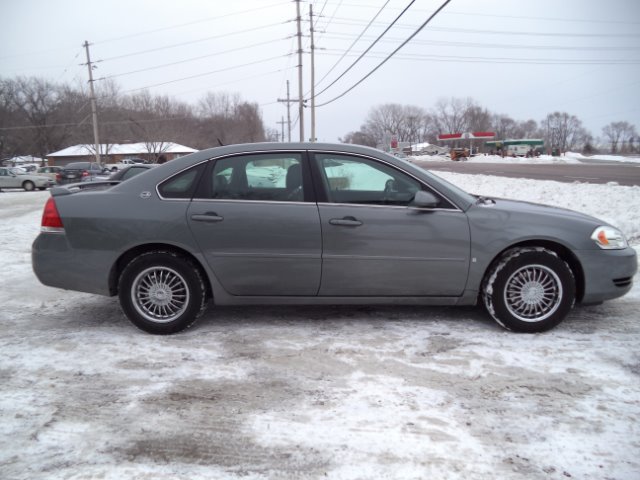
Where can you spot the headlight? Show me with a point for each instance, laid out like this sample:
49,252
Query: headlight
609,238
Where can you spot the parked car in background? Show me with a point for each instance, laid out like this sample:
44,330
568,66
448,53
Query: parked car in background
29,168
17,178
77,171
50,172
114,167
312,223
120,175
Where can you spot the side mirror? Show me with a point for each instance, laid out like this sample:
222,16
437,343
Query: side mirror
424,199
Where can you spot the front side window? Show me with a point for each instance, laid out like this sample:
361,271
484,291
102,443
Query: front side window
267,177
364,181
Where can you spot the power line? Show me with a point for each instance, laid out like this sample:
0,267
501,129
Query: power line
513,17
238,80
320,33
200,57
204,20
444,43
533,61
433,15
355,41
206,73
191,42
368,49
349,21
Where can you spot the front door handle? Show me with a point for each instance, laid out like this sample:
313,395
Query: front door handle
346,222
210,217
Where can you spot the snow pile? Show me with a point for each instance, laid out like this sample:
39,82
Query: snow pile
569,157
542,159
612,203
604,158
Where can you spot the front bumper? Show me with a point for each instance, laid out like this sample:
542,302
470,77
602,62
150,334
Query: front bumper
608,274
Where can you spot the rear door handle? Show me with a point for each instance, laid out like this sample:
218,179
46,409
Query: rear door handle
210,217
346,222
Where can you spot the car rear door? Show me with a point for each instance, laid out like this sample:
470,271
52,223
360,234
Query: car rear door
257,225
375,243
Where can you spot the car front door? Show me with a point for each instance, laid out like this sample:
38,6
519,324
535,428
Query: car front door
375,243
9,179
255,220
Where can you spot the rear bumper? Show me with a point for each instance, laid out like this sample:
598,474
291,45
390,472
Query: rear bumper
608,273
56,265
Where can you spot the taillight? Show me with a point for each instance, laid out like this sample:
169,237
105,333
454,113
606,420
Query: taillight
51,221
85,173
58,177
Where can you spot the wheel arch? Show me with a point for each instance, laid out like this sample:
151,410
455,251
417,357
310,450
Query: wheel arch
562,251
129,255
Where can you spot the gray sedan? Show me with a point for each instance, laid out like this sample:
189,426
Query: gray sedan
17,178
321,224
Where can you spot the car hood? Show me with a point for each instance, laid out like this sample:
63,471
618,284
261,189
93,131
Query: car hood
541,209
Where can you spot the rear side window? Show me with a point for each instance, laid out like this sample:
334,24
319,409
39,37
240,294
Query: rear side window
183,184
264,177
78,166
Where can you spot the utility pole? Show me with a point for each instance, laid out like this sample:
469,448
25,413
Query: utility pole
281,123
300,95
94,109
313,78
288,101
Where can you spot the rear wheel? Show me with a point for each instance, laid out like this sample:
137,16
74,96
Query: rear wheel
529,290
162,292
28,185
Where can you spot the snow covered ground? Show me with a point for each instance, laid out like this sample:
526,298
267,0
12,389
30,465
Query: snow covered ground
317,392
569,157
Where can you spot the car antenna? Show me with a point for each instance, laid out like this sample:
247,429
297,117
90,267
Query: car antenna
220,143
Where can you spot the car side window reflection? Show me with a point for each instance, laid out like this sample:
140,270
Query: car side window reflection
266,177
359,180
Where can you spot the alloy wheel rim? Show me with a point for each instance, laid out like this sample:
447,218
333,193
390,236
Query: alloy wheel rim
160,294
533,293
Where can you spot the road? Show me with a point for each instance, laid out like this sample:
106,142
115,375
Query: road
621,173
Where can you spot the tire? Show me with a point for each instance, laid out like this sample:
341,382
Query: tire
114,169
529,290
162,292
28,185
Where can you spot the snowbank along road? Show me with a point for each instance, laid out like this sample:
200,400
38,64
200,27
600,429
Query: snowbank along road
317,392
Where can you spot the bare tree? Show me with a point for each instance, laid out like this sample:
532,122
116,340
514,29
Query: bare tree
563,131
620,134
452,115
36,102
227,118
407,122
359,138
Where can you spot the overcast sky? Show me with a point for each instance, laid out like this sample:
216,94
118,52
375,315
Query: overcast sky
524,58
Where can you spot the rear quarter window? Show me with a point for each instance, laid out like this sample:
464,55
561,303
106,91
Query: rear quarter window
183,184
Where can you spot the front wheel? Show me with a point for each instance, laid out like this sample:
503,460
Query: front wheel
162,292
529,290
29,186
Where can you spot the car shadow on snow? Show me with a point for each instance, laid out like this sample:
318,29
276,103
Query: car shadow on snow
92,312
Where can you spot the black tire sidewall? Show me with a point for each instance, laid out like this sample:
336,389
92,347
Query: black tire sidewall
537,257
189,273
